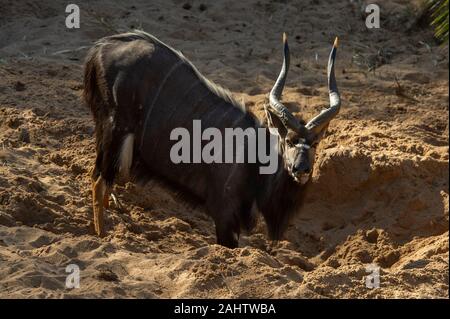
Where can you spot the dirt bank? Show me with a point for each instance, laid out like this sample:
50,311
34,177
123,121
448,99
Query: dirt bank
380,187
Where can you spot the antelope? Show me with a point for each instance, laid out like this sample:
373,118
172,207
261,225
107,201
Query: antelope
139,89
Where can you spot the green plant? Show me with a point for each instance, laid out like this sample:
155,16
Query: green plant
439,15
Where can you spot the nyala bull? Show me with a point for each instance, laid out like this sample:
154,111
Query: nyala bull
140,89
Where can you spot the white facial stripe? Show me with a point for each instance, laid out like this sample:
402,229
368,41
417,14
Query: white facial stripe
303,146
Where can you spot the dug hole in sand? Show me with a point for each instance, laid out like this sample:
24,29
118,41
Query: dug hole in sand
380,187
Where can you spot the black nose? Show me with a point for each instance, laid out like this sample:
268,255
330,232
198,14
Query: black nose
301,169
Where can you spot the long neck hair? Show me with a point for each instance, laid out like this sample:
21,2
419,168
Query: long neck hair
278,198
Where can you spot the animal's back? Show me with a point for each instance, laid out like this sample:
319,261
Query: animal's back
155,86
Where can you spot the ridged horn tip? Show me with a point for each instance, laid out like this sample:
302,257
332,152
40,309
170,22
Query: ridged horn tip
284,37
336,42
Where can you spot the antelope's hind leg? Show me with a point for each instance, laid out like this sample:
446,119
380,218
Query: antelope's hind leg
108,193
99,194
116,159
106,198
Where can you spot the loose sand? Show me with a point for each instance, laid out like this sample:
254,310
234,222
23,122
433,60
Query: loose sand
380,187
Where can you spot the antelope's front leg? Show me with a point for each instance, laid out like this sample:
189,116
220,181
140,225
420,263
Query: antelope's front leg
100,195
227,229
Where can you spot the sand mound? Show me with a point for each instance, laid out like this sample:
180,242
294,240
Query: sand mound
380,186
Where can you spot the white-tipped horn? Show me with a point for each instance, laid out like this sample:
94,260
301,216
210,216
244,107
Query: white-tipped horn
276,107
318,123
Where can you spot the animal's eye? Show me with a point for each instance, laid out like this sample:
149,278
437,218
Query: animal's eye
289,142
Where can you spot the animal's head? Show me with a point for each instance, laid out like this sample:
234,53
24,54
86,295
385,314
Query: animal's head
298,140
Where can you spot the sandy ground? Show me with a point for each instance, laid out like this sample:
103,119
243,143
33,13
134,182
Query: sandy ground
380,187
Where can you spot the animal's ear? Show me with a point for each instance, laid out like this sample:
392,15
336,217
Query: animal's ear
274,121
